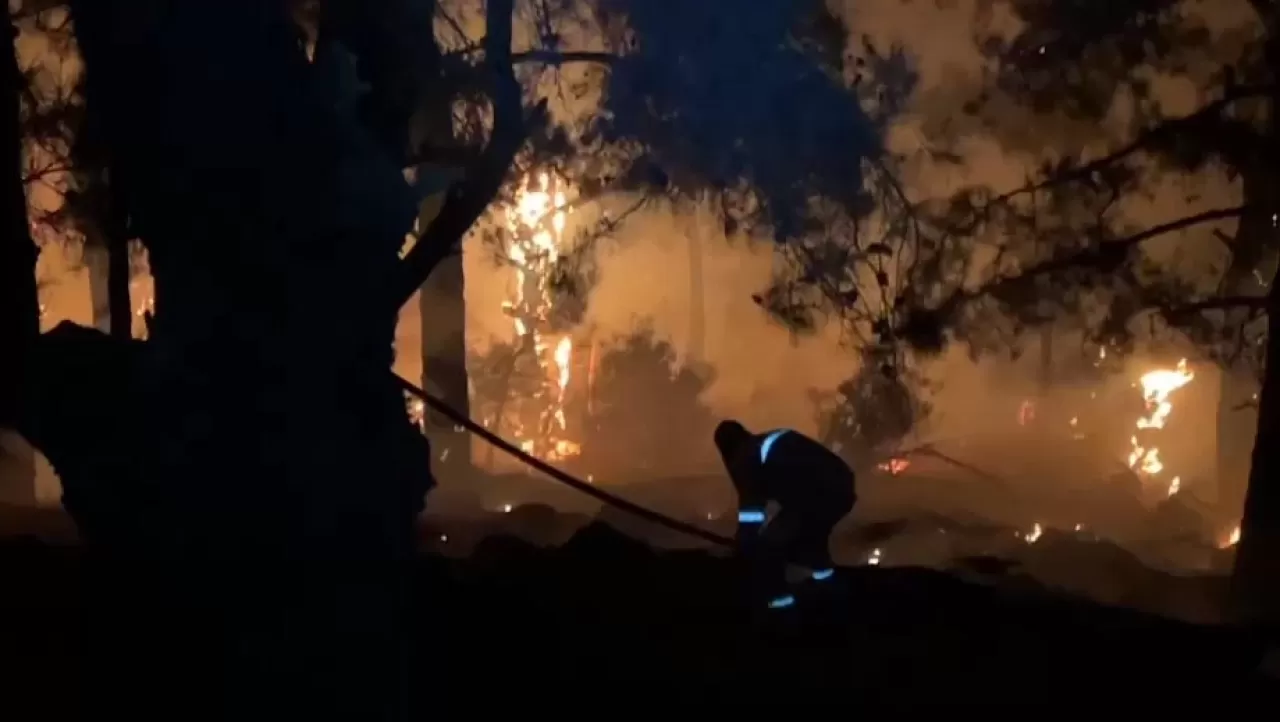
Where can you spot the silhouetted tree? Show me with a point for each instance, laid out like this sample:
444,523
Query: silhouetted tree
1060,249
871,414
48,109
276,475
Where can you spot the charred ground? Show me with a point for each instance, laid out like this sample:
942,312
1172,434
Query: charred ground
606,619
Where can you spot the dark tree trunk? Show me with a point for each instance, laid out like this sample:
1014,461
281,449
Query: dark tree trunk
118,274
269,504
1236,416
108,269
19,298
97,268
444,362
442,300
1255,579
1255,582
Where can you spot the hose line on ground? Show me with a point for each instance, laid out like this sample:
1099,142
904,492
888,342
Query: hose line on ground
559,475
616,501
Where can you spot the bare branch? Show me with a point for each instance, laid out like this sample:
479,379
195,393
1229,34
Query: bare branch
1108,253
557,58
1221,303
1144,141
452,22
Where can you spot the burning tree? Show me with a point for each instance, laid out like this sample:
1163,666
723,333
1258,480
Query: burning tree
532,245
1062,249
1158,387
985,265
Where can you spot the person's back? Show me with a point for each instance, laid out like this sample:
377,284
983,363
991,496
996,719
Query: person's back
812,487
782,466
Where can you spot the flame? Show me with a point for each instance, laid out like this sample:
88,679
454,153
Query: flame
534,239
894,466
1026,412
417,412
1157,388
1034,535
1232,539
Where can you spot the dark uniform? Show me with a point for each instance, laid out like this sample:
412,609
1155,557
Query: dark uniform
813,489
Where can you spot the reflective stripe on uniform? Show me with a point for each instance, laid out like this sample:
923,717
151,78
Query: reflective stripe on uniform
750,516
781,602
820,574
767,445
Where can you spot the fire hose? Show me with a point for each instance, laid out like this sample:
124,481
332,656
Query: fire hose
561,476
613,500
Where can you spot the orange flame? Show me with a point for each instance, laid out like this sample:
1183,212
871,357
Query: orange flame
536,224
1157,388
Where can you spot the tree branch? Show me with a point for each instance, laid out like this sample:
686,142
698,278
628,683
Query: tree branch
556,58
466,201
1145,140
1221,303
1107,253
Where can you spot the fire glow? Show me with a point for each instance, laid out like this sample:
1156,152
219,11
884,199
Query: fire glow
1158,387
532,246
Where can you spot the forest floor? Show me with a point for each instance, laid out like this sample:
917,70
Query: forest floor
605,619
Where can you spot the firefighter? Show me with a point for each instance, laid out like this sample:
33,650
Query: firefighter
812,489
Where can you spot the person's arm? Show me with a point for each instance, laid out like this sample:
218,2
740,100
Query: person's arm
745,473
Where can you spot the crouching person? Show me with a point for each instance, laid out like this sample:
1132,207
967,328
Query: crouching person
811,488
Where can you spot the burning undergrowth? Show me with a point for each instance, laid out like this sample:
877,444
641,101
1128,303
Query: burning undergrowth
1098,509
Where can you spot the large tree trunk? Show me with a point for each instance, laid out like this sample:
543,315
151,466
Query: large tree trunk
1236,415
19,299
1255,579
108,271
1255,582
442,301
119,299
271,497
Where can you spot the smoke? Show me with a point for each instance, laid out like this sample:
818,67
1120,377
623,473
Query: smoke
764,375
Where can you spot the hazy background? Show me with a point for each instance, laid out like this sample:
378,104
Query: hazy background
764,375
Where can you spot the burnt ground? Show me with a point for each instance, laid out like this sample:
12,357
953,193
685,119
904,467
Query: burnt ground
604,619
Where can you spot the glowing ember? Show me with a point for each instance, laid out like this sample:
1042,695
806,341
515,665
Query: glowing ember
417,412
1157,388
1026,413
894,466
533,244
1232,539
1034,535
